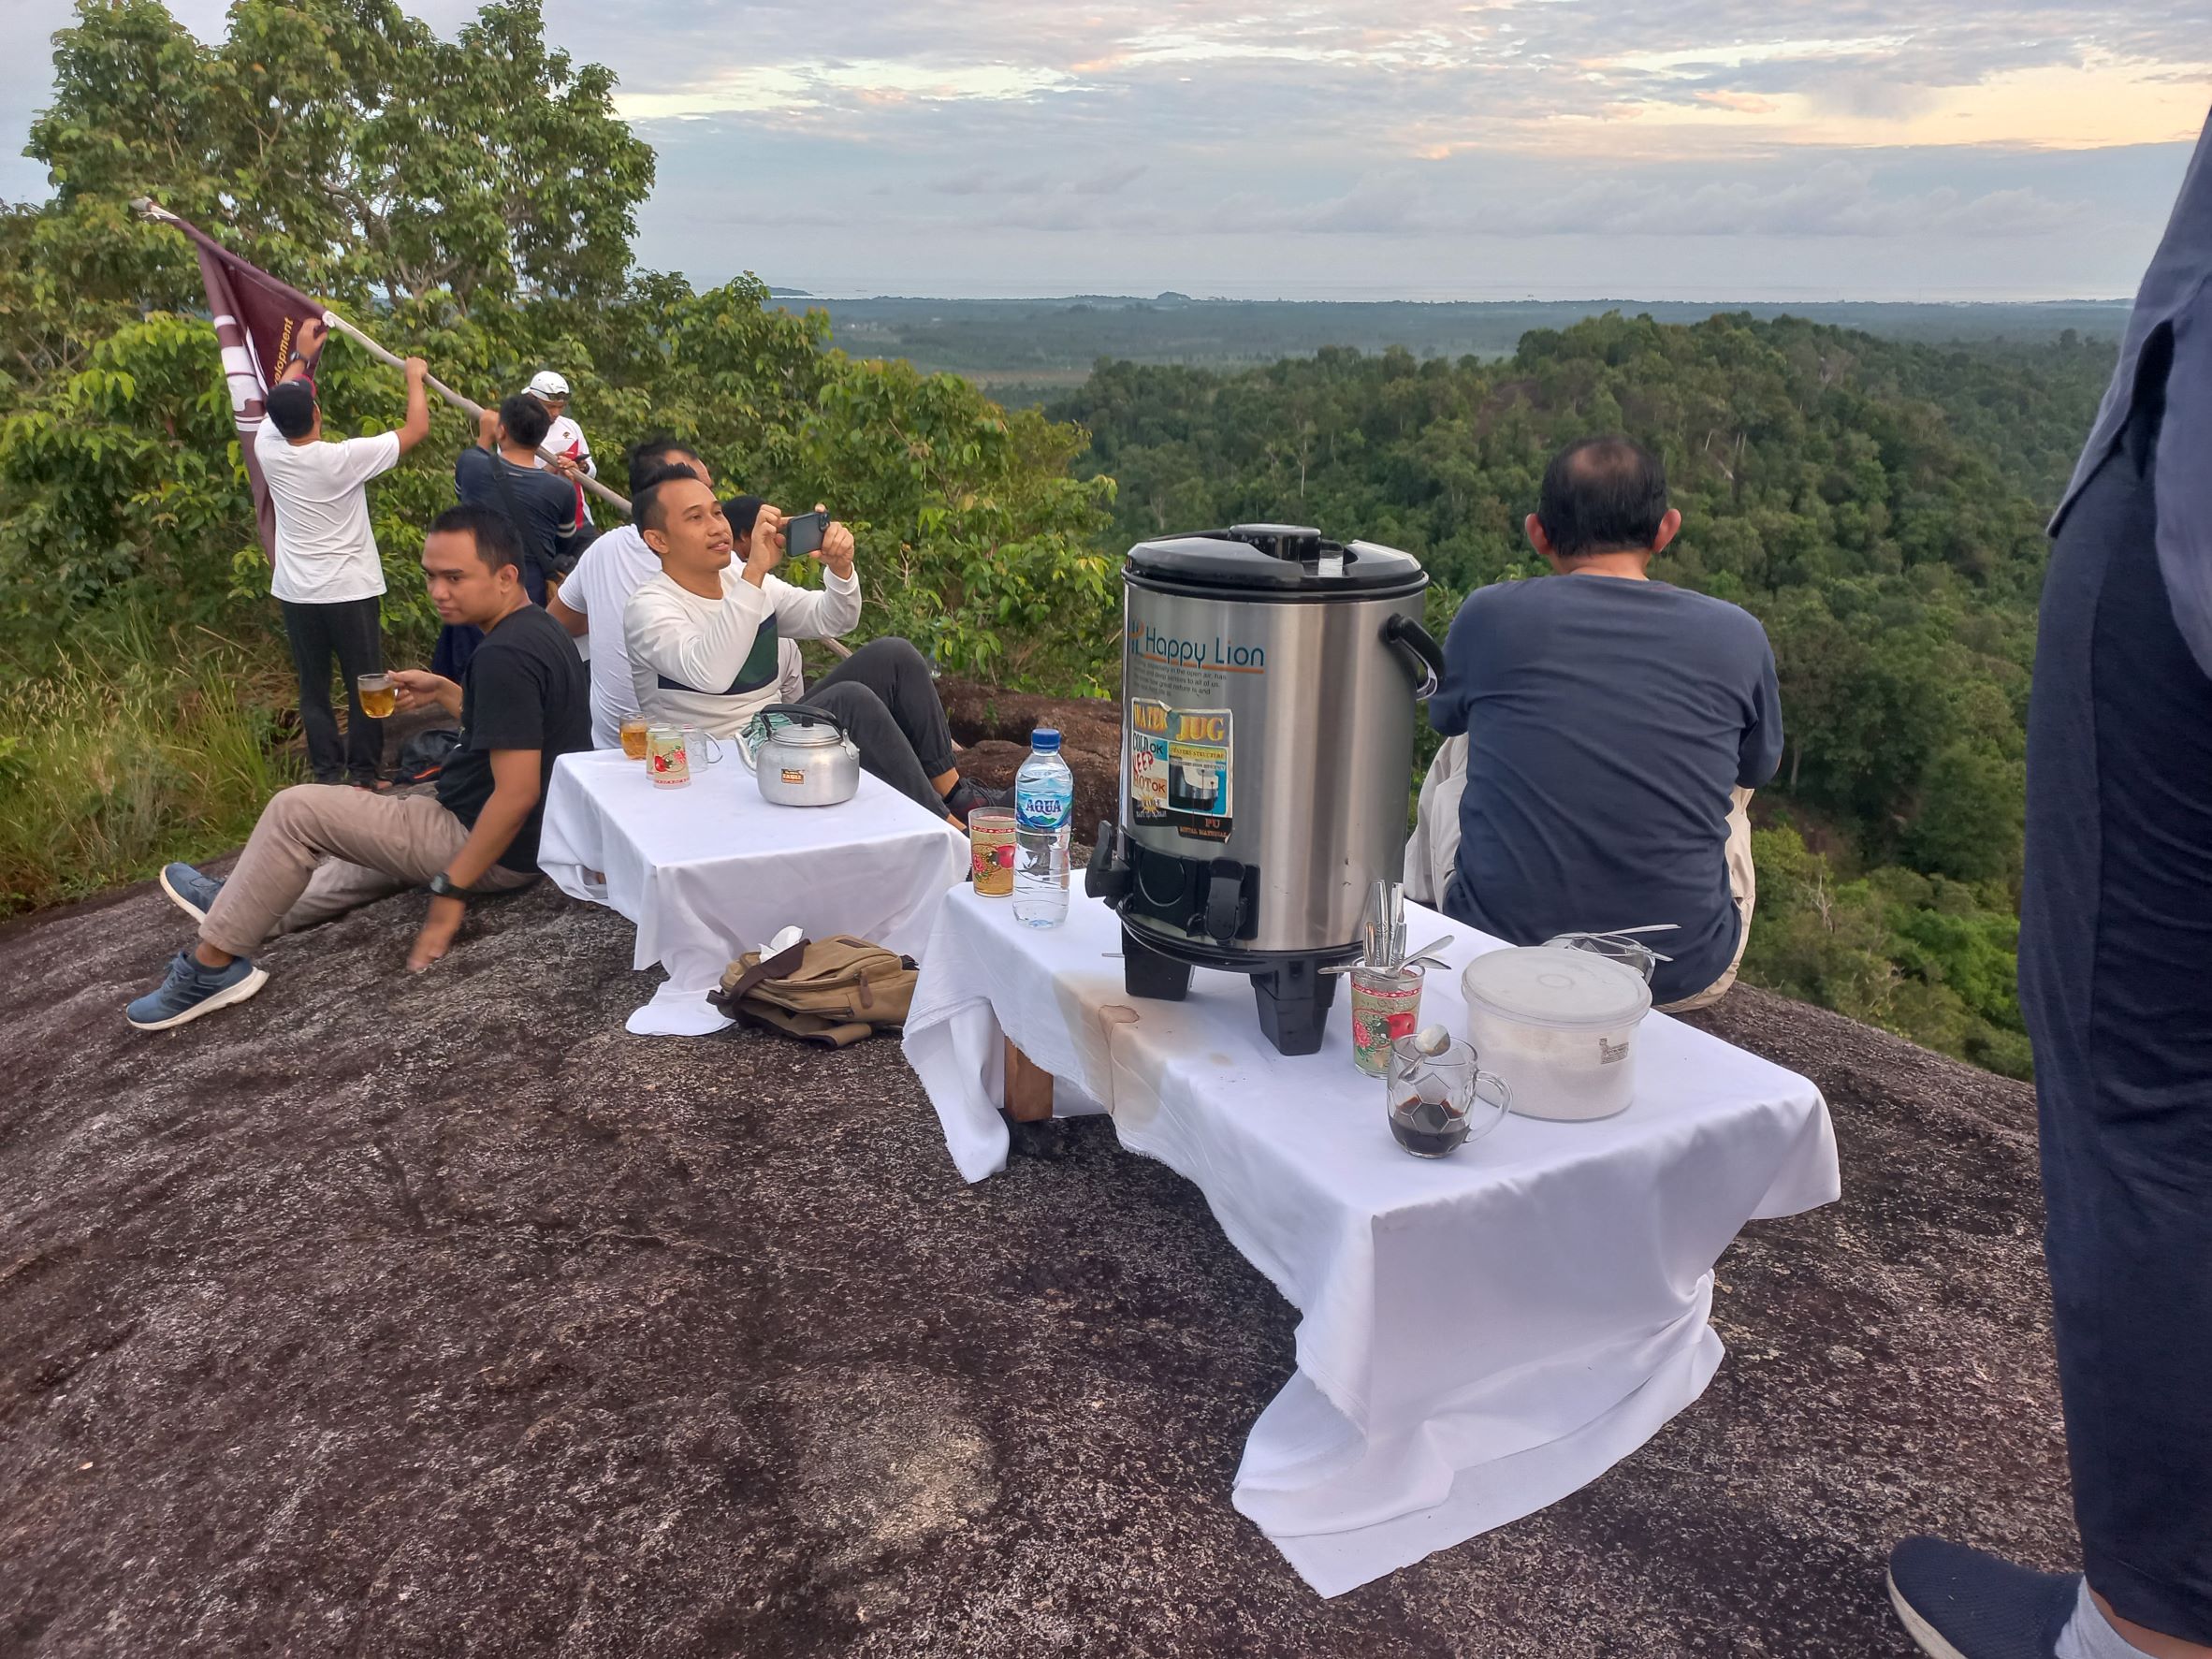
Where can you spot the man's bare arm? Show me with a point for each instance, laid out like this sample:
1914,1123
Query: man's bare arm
573,620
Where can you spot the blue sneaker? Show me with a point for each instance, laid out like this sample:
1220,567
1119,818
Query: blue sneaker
1961,1604
192,892
190,991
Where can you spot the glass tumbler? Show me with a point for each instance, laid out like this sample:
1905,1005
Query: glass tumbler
1386,1005
1438,1102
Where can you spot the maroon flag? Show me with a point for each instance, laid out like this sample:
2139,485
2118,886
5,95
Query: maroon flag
257,320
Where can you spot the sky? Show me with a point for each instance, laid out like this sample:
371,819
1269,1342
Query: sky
1752,150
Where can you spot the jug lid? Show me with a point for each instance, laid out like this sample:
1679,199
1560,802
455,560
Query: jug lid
1291,558
1551,985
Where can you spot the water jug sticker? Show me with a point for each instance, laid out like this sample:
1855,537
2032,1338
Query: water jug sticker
1200,772
1149,724
1611,1054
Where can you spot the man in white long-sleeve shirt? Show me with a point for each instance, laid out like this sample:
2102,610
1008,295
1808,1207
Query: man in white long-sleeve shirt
703,640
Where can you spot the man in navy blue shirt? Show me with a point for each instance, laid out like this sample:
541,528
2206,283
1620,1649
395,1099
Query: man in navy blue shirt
1616,727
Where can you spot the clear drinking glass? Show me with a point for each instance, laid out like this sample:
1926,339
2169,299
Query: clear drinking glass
379,694
1438,1102
991,851
1386,1006
1614,947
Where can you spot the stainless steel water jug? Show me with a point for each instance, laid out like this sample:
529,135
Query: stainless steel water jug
1269,678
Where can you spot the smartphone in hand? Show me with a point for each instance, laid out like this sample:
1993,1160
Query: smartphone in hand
802,533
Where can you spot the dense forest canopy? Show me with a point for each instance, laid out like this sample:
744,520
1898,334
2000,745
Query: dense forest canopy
1879,505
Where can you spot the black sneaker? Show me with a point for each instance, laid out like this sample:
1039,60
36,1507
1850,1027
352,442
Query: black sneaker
190,991
1961,1604
967,795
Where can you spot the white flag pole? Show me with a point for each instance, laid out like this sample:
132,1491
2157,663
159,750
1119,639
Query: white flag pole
474,410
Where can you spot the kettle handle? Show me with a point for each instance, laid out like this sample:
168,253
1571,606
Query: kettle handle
1417,642
801,714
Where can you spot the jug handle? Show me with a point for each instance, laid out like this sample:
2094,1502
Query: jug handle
1417,642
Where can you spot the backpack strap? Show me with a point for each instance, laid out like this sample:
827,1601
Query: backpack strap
768,968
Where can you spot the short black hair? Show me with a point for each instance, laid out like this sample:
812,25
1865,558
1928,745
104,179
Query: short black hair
644,501
525,419
291,407
497,541
742,512
656,455
1602,495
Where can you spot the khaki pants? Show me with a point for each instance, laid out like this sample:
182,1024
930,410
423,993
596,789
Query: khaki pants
1743,884
321,849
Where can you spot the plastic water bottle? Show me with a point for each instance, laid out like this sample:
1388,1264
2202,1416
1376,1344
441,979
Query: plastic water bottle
1045,801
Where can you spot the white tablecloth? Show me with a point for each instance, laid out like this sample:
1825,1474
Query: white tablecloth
1481,1334
710,871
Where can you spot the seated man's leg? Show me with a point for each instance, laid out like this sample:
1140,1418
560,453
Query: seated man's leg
884,748
1743,886
898,675
321,849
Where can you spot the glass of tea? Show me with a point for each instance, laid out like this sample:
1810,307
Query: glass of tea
633,738
991,851
380,697
1437,1102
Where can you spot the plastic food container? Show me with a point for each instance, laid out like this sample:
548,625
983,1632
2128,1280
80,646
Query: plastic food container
1559,1025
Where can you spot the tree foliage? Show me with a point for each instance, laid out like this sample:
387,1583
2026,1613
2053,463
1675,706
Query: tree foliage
1879,505
473,202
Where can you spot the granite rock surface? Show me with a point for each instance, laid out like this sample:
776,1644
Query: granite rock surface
393,1316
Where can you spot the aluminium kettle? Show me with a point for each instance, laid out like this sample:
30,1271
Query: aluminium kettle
802,757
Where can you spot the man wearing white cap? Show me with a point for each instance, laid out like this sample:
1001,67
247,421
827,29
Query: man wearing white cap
564,438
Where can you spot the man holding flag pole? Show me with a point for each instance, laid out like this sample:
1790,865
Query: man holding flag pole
309,500
329,578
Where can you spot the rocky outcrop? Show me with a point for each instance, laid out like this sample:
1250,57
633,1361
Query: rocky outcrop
993,727
395,1316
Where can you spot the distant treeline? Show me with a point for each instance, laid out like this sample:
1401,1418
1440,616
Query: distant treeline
1879,504
1026,349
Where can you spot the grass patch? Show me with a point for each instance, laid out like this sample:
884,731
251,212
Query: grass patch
136,746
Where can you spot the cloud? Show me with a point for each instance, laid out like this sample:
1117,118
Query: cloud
1731,129
1839,198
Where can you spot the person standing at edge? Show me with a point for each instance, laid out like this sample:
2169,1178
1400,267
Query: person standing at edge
500,471
1616,727
564,438
2115,920
318,851
329,578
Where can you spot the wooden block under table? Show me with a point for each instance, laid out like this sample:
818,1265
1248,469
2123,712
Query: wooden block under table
1028,1087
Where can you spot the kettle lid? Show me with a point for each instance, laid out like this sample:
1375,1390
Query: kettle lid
796,726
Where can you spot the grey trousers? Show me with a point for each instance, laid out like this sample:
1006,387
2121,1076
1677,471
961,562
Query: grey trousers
888,704
323,849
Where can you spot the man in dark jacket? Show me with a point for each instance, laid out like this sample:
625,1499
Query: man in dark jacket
2116,984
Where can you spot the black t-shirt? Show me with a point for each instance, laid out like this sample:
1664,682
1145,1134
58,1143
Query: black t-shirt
546,500
524,689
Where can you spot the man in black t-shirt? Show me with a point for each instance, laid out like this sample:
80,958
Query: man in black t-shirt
321,849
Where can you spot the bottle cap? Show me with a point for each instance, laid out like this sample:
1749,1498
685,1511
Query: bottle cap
1045,738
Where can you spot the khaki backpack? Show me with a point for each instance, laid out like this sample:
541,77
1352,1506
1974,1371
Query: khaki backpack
834,992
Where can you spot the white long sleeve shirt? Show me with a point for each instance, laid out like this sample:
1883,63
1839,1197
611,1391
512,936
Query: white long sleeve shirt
689,657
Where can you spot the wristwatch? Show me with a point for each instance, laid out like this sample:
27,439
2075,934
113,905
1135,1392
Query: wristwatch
444,886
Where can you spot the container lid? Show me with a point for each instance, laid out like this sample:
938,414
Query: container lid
1045,740
1551,985
1288,557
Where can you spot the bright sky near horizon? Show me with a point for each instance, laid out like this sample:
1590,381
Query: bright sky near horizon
1426,149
